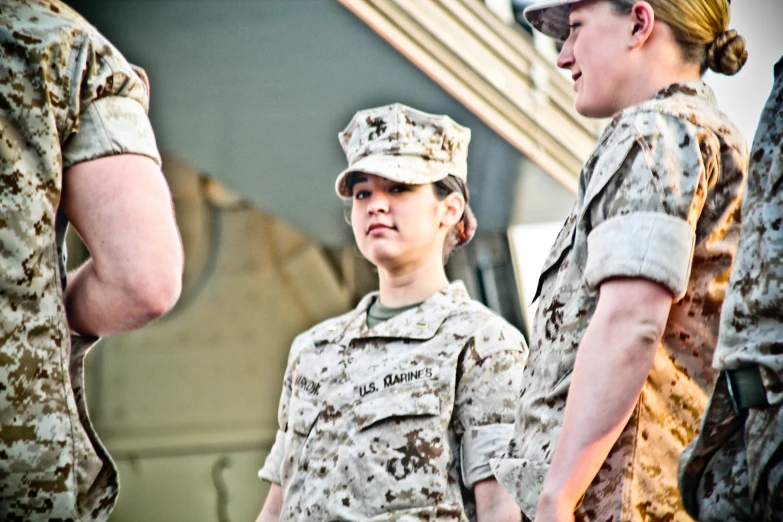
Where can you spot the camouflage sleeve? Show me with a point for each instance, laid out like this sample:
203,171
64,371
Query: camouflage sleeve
271,469
486,396
107,105
644,199
751,329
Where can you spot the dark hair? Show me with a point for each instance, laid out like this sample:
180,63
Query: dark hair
463,231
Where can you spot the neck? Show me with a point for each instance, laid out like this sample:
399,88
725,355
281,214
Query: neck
405,285
655,69
644,91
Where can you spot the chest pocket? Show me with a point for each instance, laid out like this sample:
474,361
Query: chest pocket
563,243
404,444
400,401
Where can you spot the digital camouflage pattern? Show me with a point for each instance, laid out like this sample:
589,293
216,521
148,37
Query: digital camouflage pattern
659,199
398,420
66,96
403,145
748,463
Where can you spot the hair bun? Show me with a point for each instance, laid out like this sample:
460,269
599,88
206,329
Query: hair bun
466,227
727,54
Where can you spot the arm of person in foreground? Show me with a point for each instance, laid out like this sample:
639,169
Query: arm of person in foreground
122,209
494,504
612,364
273,505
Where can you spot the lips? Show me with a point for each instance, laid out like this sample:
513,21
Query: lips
575,77
378,227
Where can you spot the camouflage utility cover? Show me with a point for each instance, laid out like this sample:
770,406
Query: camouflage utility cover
550,17
751,330
397,420
66,96
404,145
658,199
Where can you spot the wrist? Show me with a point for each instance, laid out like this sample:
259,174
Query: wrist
557,503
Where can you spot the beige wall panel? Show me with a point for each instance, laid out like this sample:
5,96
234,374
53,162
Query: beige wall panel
217,366
182,489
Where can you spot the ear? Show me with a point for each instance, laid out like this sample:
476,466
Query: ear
643,20
453,207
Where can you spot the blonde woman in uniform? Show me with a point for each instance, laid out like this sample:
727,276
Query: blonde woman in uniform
394,409
631,292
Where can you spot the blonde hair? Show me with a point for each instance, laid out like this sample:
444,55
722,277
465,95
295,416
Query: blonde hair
701,28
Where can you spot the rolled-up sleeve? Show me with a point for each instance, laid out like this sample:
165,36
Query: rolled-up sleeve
110,126
271,469
649,193
108,103
659,248
486,397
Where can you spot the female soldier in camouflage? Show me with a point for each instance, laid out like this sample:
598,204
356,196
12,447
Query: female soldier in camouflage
631,292
395,408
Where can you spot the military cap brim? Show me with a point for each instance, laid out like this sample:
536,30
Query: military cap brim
550,17
410,170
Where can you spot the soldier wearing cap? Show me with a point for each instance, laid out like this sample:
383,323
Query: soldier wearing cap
630,295
733,471
76,146
394,409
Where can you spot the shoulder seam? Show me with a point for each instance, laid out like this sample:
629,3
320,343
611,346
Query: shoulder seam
71,89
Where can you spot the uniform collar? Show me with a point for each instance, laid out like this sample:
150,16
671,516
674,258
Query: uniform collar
695,88
419,323
692,89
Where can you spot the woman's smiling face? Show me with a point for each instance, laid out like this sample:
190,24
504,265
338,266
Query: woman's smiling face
596,55
395,224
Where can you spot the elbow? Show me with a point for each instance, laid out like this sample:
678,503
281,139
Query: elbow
155,293
155,297
647,333
639,321
640,330
160,301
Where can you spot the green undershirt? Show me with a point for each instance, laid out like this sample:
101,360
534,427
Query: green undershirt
377,313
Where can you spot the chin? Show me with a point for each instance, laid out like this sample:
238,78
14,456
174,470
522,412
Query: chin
593,110
381,255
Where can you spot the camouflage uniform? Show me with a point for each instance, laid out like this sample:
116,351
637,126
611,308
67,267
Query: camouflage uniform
658,199
67,96
748,464
399,420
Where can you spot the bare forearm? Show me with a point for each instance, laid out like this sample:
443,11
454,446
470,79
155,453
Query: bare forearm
604,390
273,505
494,504
267,516
121,207
613,361
101,306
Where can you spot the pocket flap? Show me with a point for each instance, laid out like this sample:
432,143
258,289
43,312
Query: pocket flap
563,242
615,152
397,402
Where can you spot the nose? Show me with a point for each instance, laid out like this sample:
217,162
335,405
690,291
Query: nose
566,58
378,202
